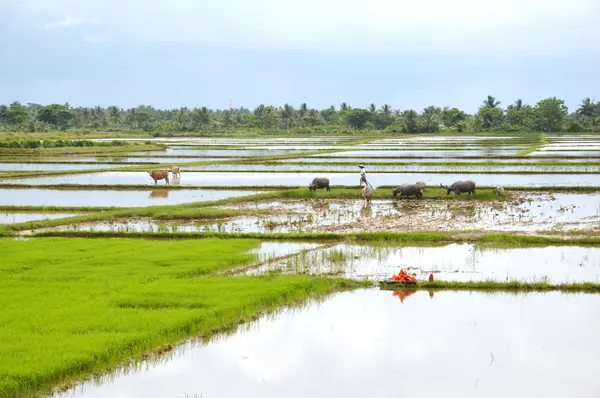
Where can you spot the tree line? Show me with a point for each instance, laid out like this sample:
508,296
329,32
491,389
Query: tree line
550,114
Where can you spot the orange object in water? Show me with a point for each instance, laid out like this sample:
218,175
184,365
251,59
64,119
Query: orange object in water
402,294
403,277
430,277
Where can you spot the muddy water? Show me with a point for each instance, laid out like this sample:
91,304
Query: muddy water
526,213
157,197
15,218
360,344
303,179
454,262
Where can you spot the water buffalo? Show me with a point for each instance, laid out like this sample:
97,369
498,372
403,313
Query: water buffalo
367,194
175,170
498,191
319,183
159,175
421,184
460,186
408,190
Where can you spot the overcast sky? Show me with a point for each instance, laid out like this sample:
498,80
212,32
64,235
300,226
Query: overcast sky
407,53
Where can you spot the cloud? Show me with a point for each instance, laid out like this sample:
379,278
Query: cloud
95,38
64,23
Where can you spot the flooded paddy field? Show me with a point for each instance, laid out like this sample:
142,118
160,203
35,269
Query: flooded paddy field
497,337
579,153
108,198
453,262
15,218
540,213
425,153
375,160
404,168
237,179
52,166
220,152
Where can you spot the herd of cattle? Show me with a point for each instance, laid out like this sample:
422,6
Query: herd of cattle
404,190
408,190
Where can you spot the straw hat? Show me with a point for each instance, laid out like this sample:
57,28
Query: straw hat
361,166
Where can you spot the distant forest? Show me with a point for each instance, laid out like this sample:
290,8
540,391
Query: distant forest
549,115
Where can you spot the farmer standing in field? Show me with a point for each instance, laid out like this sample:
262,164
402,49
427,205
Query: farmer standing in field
363,176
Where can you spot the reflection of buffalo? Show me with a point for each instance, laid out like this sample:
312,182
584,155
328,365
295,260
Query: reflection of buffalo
159,194
159,175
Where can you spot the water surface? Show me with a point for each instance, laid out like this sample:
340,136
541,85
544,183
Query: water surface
157,197
359,344
304,179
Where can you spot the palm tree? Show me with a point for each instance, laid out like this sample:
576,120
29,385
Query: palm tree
287,113
114,114
587,107
490,102
344,106
372,108
516,106
303,109
386,110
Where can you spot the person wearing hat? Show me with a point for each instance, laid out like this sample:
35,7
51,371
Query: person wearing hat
363,176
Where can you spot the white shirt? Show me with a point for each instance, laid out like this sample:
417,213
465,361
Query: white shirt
363,173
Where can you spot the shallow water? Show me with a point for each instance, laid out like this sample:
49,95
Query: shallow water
373,161
157,197
111,160
220,152
15,218
453,262
530,212
304,179
355,344
554,153
400,168
52,166
432,154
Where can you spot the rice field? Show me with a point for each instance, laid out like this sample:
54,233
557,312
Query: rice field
116,285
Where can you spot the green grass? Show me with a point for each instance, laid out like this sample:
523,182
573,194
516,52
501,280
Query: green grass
492,239
495,285
71,308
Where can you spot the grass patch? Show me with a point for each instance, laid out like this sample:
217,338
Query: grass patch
495,285
493,239
75,307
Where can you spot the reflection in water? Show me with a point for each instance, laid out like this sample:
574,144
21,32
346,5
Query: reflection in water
362,344
161,194
450,262
404,293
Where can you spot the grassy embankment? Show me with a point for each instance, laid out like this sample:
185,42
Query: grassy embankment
493,239
516,286
89,150
71,308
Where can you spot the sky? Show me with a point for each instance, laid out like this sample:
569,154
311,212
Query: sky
409,54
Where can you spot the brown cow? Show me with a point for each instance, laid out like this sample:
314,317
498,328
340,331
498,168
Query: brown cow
159,175
175,170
